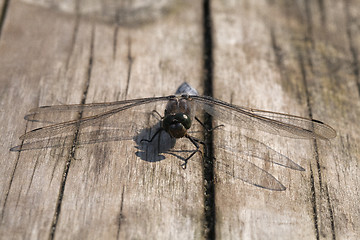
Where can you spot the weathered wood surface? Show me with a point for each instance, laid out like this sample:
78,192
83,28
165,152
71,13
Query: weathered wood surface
50,57
300,58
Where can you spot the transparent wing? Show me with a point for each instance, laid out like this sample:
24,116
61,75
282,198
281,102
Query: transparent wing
64,113
70,126
248,147
237,161
248,172
272,122
84,138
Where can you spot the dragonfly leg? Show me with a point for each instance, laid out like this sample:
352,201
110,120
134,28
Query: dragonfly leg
158,114
152,138
158,131
196,142
208,130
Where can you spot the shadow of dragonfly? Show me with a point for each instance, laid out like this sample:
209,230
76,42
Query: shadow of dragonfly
134,119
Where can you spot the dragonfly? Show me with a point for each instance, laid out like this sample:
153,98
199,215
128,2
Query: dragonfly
178,118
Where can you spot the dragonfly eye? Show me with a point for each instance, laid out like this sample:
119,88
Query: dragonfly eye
184,119
177,125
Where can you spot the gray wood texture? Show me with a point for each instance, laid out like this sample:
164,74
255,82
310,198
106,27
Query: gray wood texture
300,58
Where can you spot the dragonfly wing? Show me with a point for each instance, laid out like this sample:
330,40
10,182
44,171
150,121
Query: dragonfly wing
316,127
249,147
250,173
71,126
275,123
236,159
84,138
63,113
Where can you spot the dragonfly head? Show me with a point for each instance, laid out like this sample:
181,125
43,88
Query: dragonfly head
176,124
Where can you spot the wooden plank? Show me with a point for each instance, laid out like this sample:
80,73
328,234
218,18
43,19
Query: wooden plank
299,58
106,191
29,77
134,198
243,65
287,58
334,93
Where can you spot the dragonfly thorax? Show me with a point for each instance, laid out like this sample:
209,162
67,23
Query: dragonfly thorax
176,124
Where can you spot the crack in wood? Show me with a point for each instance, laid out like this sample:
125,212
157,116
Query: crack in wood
313,203
71,155
73,40
3,14
121,217
130,60
10,184
209,186
115,41
32,175
332,222
312,182
12,177
352,48
322,10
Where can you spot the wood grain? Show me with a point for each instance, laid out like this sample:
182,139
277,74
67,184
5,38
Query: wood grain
300,58
103,191
295,59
